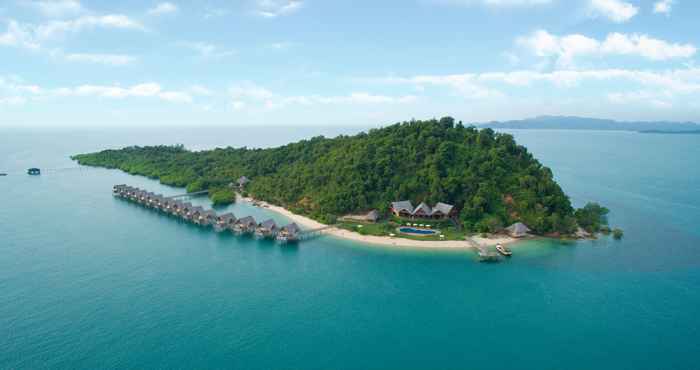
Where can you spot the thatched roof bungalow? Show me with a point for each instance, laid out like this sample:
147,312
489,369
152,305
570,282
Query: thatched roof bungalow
224,222
424,211
245,225
289,233
518,230
403,208
266,229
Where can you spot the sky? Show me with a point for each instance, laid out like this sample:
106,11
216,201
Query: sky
344,62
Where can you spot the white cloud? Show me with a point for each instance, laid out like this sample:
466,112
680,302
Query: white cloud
12,100
497,3
201,90
237,105
249,93
106,59
18,88
19,35
617,11
150,89
175,97
663,7
215,13
665,84
281,45
57,8
163,8
564,49
31,36
465,84
58,28
207,50
276,8
655,99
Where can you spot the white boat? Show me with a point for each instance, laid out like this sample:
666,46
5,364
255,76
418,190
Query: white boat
504,250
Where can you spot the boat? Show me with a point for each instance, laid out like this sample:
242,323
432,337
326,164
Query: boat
3,174
34,171
504,250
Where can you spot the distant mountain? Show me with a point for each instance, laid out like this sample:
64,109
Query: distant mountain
582,123
684,132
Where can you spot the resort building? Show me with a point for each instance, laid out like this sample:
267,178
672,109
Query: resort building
289,233
518,230
195,213
207,218
224,222
267,229
186,211
405,209
371,216
242,182
245,225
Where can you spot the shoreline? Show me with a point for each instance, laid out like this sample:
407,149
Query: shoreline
308,223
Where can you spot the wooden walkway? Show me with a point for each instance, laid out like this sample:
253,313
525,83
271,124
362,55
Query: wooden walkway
313,233
485,254
187,195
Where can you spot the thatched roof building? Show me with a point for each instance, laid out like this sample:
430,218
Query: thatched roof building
518,230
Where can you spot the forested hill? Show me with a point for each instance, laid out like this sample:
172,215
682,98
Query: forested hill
491,179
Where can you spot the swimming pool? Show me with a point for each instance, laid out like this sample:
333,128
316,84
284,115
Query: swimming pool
422,232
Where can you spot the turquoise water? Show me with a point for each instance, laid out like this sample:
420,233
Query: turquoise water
88,281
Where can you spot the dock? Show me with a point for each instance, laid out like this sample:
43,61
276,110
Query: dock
173,206
484,253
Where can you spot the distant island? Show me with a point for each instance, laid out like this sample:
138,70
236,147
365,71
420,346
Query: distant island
461,179
582,123
683,132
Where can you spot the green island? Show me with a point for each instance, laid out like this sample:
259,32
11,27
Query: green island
481,179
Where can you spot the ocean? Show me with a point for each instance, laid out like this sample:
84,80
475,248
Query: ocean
91,282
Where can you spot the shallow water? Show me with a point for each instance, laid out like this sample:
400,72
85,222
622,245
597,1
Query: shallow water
88,281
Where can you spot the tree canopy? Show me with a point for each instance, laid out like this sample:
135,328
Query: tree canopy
487,175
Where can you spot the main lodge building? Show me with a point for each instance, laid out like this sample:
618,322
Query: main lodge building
405,209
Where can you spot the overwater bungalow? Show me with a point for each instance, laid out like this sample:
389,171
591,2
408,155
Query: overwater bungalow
289,233
166,204
405,209
195,214
175,207
266,229
118,189
186,211
518,230
206,218
224,222
245,225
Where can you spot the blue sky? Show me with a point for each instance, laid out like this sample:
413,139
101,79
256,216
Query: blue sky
312,62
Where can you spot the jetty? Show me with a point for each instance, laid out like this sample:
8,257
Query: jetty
484,253
173,206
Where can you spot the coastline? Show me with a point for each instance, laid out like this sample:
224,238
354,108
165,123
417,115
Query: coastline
308,223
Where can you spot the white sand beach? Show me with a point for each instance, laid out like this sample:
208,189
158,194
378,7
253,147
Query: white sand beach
308,223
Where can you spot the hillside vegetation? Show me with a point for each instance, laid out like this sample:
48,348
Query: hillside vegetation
491,179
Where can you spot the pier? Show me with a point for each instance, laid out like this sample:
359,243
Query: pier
173,206
188,195
485,254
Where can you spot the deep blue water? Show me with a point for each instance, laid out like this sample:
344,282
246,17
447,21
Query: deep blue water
88,281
